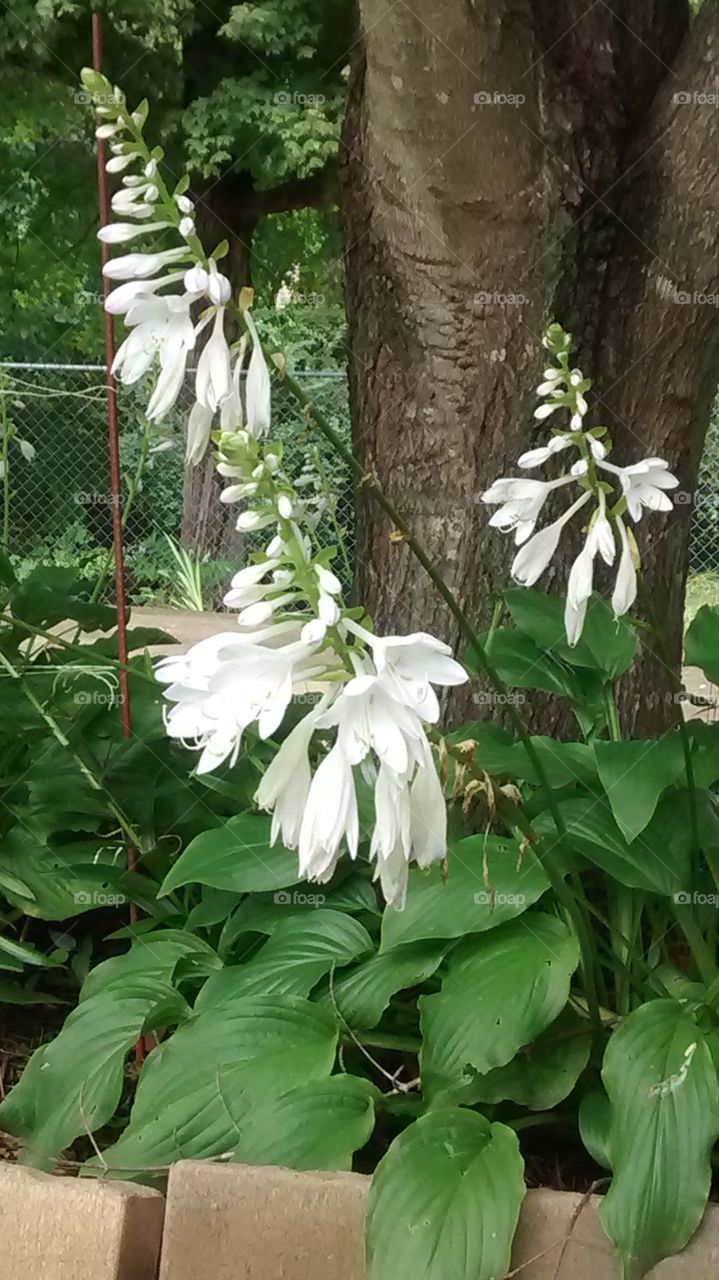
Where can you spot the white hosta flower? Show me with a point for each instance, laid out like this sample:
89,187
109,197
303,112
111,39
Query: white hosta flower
161,325
187,227
257,387
119,162
219,289
286,783
231,407
329,582
537,457
121,232
118,302
599,541
644,484
199,428
368,717
196,280
534,556
330,818
625,587
520,501
223,692
214,377
139,266
410,825
579,589
412,664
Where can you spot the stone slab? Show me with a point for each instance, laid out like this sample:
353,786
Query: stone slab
235,1222
76,1228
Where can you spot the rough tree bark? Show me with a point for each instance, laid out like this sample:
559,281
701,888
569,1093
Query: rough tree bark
471,220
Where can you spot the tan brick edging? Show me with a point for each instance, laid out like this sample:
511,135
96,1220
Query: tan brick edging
77,1228
235,1222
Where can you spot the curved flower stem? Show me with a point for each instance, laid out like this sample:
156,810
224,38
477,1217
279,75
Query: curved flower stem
369,482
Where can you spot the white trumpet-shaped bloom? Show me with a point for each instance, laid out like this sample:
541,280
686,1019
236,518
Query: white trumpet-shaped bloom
214,377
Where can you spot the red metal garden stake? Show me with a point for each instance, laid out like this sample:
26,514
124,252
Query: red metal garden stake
115,479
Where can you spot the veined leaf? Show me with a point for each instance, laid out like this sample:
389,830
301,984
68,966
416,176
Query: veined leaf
650,862
662,1087
299,952
236,856
315,1126
541,1074
634,775
445,1200
362,995
198,1086
467,900
502,990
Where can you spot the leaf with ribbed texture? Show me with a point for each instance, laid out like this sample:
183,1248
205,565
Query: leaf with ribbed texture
445,1200
662,1087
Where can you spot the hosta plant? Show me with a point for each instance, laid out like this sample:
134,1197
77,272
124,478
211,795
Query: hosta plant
406,949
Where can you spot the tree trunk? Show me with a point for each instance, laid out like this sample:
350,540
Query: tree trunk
505,163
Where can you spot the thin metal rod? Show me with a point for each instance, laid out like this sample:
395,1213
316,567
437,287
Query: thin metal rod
113,431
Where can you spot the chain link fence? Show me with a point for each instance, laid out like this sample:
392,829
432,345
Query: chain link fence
56,504
704,548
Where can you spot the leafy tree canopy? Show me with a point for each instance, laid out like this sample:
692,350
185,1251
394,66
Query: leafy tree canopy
247,97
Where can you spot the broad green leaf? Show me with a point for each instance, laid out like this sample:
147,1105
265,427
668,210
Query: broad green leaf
542,1074
315,1126
701,642
662,1086
73,1085
261,913
650,862
634,775
523,665
153,956
501,992
362,994
465,901
196,1089
445,1200
564,763
299,952
595,1119
237,856
607,644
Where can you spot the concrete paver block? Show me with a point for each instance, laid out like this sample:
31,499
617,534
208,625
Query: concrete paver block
237,1222
76,1228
